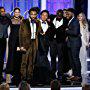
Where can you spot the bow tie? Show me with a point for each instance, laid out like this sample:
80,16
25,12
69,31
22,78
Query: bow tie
43,22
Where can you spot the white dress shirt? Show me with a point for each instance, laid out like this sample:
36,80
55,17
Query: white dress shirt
44,26
57,24
33,29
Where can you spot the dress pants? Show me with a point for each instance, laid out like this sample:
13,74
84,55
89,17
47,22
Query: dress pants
2,54
56,49
74,60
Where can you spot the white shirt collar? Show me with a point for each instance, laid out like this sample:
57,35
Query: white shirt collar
44,26
70,20
58,23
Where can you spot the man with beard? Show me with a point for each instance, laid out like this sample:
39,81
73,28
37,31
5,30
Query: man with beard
73,44
28,35
57,45
4,24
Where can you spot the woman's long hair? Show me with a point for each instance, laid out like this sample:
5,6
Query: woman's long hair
84,20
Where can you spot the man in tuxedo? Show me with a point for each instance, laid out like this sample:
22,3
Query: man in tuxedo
57,45
4,24
74,44
29,30
42,64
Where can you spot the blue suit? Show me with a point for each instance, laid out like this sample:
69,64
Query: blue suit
74,44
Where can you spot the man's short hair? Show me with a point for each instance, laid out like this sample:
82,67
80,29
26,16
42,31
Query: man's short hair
60,11
44,11
55,85
2,7
72,10
24,86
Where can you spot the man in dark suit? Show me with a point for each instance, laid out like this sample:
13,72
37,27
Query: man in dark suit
4,24
42,64
57,45
74,44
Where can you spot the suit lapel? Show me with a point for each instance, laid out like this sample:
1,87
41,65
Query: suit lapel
28,24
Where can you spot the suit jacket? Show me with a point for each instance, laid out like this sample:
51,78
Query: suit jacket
31,46
44,39
73,33
25,33
60,32
50,31
4,23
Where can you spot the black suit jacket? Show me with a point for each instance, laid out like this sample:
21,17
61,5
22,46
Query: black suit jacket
4,24
44,39
73,33
60,32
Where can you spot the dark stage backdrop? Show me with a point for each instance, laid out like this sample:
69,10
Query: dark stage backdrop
81,6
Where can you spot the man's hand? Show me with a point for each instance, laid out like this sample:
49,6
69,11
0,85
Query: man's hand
23,49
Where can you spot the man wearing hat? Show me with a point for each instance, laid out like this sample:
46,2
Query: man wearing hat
74,44
29,30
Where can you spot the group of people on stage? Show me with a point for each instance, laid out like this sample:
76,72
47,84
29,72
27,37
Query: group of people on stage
65,35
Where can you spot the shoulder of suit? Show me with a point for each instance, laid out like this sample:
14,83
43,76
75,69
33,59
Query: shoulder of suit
38,21
25,20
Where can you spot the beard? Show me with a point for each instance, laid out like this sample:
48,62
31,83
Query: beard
69,18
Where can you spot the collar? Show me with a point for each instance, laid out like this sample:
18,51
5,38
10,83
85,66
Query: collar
43,22
70,20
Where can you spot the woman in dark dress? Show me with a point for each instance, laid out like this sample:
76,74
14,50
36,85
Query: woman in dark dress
14,56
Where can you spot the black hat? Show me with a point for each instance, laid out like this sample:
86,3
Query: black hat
34,9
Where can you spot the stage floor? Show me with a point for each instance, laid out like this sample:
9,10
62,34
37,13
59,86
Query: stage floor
63,88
